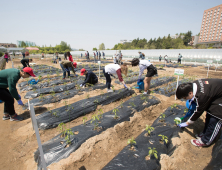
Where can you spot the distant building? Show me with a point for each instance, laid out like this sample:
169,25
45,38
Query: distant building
125,41
28,43
211,27
177,36
194,40
7,45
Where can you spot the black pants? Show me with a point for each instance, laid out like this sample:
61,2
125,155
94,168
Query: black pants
24,64
8,100
211,129
179,61
108,79
93,81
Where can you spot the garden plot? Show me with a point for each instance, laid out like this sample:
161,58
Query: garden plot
56,97
170,89
144,152
69,112
64,144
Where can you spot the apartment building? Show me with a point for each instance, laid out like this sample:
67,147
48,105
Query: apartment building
211,27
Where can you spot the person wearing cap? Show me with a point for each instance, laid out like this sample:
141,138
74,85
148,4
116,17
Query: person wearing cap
25,62
151,71
8,91
112,69
66,66
91,78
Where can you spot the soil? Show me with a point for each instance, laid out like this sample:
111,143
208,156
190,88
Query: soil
18,140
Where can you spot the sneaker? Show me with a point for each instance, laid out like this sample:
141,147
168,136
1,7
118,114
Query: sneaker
110,91
145,93
197,142
199,135
6,117
16,118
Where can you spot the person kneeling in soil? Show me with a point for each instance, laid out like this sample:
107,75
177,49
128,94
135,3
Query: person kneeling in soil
151,71
91,78
8,79
111,69
25,62
207,93
66,66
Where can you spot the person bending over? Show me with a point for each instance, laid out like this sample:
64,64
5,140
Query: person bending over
151,71
8,91
91,78
67,66
111,69
207,93
25,62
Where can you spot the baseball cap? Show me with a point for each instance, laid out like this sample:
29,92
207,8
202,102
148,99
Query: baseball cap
75,64
29,71
82,71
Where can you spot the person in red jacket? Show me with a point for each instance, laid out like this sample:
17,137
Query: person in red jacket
207,93
69,56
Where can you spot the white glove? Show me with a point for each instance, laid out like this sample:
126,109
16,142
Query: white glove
80,85
183,125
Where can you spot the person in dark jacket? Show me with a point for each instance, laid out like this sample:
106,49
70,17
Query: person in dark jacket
8,91
99,55
207,93
65,56
91,78
23,54
25,62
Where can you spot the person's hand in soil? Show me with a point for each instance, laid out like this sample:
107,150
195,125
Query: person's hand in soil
20,102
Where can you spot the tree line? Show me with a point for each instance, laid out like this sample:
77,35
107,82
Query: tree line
160,43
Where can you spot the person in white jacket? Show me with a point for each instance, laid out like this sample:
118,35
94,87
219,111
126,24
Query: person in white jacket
112,69
151,71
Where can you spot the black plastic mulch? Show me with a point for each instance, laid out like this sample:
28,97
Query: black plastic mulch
136,159
56,151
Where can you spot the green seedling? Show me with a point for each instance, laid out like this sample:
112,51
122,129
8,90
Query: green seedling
68,133
162,117
84,120
114,111
186,110
34,89
41,97
57,73
48,76
87,96
55,114
149,129
153,152
100,113
121,105
95,118
164,138
132,104
67,93
53,93
62,129
131,142
173,106
40,77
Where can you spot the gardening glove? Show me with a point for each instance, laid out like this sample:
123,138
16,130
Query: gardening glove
80,85
126,87
183,125
20,102
19,96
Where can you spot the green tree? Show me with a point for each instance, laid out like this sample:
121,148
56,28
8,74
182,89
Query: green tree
94,49
187,38
102,46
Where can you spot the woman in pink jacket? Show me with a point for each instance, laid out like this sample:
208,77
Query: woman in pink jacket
6,56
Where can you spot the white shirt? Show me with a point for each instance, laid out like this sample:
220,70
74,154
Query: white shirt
143,65
111,68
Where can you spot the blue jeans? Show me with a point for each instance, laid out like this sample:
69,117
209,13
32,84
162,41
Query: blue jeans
64,71
108,79
6,60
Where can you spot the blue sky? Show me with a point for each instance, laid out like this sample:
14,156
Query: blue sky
88,23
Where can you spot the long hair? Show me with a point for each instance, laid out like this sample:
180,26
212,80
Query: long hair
68,53
124,69
135,62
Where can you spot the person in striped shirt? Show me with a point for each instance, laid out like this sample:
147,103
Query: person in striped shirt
151,71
